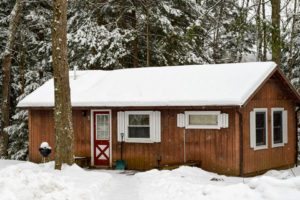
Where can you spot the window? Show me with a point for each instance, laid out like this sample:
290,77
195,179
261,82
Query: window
279,127
258,128
139,126
102,126
260,121
203,119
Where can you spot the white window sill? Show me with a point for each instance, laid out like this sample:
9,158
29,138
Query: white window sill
277,145
136,140
260,147
202,127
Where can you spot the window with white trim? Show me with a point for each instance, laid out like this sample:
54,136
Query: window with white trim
259,128
139,126
205,120
279,127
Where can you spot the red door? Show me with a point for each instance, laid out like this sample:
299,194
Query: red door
101,138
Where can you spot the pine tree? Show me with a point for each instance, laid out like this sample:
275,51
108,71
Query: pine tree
31,68
6,70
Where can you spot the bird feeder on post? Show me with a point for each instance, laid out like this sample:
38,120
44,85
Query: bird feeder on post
45,150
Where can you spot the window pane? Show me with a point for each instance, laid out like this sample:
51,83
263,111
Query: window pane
203,119
139,119
139,132
260,128
102,127
260,137
277,127
260,119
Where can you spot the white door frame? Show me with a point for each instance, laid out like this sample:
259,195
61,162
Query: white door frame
92,136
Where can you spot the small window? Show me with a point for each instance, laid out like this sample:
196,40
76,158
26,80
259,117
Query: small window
279,127
203,119
259,128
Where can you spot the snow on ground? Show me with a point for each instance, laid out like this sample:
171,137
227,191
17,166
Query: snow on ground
25,180
194,183
29,181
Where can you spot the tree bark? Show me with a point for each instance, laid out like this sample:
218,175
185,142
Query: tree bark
147,38
291,58
264,58
216,47
22,64
6,71
276,42
64,136
135,50
258,32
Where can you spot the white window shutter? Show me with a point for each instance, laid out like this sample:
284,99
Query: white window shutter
180,120
224,120
285,126
157,127
152,127
121,125
252,129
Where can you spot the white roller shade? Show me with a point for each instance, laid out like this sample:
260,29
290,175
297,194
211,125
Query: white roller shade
285,126
121,125
252,129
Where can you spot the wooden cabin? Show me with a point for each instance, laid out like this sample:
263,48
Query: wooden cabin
235,119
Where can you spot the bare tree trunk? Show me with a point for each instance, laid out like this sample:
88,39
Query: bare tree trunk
22,64
64,136
240,41
264,56
148,39
291,59
216,49
135,50
258,32
6,70
276,42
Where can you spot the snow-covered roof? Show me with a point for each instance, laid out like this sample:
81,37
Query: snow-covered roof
192,85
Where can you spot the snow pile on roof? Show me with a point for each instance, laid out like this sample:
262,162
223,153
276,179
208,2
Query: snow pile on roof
30,181
193,85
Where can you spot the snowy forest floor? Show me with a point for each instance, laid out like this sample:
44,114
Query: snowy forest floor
25,180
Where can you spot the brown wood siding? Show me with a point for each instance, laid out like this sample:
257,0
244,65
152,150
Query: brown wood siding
217,150
271,95
41,128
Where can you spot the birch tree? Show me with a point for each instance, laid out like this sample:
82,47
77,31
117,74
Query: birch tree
6,72
64,136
